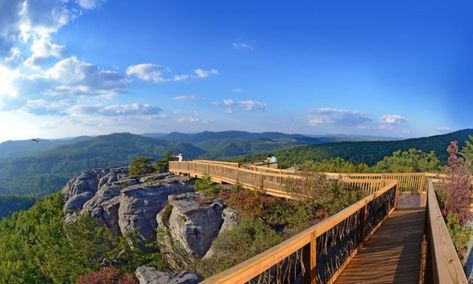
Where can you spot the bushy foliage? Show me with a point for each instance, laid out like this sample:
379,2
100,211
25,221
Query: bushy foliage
409,161
467,151
140,166
460,235
458,185
107,275
163,164
336,165
206,187
329,194
36,247
250,237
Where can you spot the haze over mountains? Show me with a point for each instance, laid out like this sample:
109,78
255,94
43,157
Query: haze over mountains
37,169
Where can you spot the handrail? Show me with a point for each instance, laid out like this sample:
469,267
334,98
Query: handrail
353,226
443,264
269,183
272,179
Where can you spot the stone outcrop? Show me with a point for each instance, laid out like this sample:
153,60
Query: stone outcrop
122,203
148,275
192,221
139,205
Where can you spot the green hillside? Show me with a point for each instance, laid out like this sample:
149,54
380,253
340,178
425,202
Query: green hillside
370,152
48,171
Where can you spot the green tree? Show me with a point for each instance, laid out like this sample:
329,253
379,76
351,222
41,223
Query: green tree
336,165
163,164
412,160
140,166
467,151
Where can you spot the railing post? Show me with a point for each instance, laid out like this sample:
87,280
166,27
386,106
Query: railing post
310,261
208,173
364,218
396,195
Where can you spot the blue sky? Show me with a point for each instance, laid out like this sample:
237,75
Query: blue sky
88,67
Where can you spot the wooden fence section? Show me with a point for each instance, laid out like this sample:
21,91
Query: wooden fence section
318,254
443,264
267,182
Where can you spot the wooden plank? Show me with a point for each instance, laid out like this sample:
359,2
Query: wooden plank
392,254
446,265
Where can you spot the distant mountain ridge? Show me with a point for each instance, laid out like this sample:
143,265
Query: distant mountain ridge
47,171
370,152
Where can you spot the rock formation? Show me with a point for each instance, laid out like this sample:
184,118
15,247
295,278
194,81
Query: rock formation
148,275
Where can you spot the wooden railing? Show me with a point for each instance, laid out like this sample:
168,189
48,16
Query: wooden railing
443,264
318,254
266,182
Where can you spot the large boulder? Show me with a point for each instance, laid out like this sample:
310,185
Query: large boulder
193,221
148,275
86,182
104,206
139,205
76,202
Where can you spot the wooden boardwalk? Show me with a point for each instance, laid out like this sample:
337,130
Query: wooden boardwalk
392,254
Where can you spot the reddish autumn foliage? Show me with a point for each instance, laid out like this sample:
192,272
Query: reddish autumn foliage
107,275
458,186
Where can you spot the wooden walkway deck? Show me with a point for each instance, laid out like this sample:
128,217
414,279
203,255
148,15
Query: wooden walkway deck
392,254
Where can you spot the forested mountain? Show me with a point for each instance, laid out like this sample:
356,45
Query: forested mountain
48,171
20,148
11,204
206,136
370,152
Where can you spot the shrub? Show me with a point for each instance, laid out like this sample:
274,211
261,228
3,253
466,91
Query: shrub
409,161
250,237
107,275
163,164
329,194
206,187
140,166
459,234
457,185
250,203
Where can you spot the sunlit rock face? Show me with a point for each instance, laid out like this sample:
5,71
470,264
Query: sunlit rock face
148,275
122,203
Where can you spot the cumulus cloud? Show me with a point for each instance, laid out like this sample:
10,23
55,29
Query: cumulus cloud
393,119
185,98
192,117
147,72
8,78
74,76
155,73
250,105
201,73
42,49
343,117
115,110
242,45
89,4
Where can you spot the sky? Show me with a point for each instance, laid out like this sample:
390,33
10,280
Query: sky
89,67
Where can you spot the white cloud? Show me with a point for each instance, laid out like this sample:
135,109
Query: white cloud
42,49
115,110
74,76
393,119
250,105
192,117
155,73
242,45
201,73
147,72
7,82
228,102
185,98
236,90
89,4
336,116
